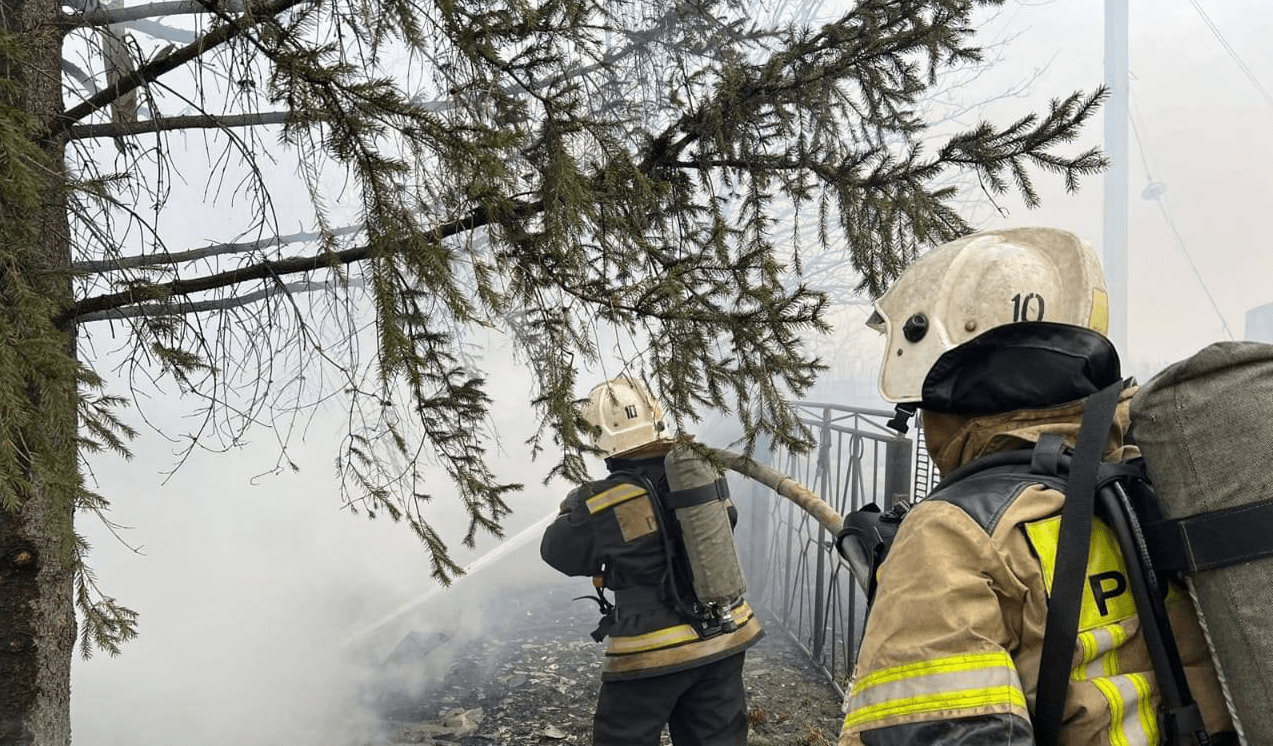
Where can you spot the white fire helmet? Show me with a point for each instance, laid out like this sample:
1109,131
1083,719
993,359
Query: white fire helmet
628,415
979,282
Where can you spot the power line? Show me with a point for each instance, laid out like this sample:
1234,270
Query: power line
1140,142
1232,52
1156,192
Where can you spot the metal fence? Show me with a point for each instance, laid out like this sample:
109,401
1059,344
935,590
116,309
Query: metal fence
792,569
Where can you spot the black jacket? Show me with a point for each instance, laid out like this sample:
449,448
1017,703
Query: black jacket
614,528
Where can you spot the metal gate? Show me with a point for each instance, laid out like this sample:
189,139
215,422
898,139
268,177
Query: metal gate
792,569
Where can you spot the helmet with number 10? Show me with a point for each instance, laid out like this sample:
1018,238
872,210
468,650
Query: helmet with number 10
938,313
628,417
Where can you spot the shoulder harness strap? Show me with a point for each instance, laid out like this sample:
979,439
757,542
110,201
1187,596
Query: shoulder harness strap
1091,484
1075,537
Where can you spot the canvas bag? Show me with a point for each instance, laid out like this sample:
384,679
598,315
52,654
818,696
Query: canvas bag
1205,428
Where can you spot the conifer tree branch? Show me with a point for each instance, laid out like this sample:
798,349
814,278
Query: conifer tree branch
93,14
168,124
255,14
154,310
275,268
204,252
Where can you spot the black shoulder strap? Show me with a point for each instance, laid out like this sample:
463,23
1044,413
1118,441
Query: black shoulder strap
1211,540
1073,545
1019,458
680,587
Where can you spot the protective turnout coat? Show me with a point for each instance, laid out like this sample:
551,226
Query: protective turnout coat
952,645
612,528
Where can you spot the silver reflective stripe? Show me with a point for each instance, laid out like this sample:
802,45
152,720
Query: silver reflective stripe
938,683
1099,658
941,687
1132,718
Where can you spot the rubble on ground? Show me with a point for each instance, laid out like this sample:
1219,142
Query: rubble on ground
533,678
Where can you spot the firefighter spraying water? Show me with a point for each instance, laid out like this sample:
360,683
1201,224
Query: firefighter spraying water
657,532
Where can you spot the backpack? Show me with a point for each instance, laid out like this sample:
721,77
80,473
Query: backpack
1166,537
685,522
1204,427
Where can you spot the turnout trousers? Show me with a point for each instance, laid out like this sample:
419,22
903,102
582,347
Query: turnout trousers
701,706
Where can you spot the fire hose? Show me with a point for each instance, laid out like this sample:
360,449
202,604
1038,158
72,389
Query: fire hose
784,485
805,499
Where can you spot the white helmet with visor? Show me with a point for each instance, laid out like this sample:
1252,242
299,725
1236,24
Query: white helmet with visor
628,417
967,310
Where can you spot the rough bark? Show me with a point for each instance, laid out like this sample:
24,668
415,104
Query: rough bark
38,632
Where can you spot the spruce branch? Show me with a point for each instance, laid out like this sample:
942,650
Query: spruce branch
205,252
169,124
154,310
255,14
269,269
93,14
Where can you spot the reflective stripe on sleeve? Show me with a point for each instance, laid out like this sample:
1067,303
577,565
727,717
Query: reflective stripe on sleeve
613,497
954,687
1132,720
1100,652
1129,697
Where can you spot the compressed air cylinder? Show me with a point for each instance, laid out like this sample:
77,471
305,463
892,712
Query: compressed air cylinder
699,496
709,546
1205,427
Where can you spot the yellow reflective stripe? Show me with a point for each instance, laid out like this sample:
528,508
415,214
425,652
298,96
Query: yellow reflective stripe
613,497
1132,719
668,636
1100,653
1145,707
1091,649
947,685
962,700
954,663
1129,697
680,655
1098,319
1118,636
1116,711
659,638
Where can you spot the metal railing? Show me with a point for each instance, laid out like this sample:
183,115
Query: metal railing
792,569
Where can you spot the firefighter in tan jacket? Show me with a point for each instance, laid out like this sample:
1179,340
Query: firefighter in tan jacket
998,337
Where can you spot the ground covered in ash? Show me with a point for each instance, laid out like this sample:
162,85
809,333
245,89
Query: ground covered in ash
531,677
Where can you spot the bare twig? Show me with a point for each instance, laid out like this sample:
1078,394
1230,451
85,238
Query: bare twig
154,260
258,13
99,16
166,124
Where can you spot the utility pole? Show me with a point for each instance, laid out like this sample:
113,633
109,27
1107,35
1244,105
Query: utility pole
1117,182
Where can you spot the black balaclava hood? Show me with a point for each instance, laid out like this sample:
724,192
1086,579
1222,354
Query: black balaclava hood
1028,365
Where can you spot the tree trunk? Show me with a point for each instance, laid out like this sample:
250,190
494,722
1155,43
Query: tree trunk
38,627
39,631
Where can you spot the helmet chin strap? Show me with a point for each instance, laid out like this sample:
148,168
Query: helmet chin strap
901,416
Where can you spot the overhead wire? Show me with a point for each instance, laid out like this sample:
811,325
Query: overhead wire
1160,196
1233,54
